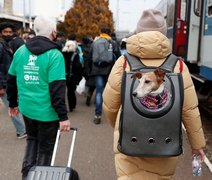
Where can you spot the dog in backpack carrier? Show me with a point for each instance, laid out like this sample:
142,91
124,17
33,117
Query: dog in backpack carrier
151,97
151,90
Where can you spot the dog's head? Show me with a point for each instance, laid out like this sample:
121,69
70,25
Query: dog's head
149,83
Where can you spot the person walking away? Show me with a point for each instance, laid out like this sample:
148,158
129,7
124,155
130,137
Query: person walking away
36,88
61,38
151,28
123,46
117,52
102,51
31,34
6,55
73,70
16,41
90,80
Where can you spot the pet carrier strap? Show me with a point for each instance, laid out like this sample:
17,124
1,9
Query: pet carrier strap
134,62
168,65
181,64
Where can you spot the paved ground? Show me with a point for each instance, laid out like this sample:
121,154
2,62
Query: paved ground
93,154
207,126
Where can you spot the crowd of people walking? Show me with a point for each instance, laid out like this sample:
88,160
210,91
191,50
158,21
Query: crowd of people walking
78,63
47,83
43,69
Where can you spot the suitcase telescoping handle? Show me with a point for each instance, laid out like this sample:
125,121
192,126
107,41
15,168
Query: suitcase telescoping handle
71,147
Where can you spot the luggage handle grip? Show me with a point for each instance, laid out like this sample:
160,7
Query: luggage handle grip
73,129
71,148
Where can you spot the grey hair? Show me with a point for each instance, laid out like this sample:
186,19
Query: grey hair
44,26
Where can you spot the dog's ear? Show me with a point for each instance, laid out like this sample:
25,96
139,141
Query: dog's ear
137,75
160,73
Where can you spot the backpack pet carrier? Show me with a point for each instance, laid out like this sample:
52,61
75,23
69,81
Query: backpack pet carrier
151,132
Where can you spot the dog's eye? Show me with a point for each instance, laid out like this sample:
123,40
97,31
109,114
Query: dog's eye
147,81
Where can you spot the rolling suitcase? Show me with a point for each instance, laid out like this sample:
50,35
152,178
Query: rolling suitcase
55,172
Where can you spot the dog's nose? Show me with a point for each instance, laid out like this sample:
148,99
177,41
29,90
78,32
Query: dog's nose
134,94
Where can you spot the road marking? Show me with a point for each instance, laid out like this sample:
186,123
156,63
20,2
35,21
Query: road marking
206,160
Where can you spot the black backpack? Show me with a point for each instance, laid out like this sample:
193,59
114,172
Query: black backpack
151,132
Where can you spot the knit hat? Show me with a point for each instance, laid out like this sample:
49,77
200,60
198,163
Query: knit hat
44,26
151,20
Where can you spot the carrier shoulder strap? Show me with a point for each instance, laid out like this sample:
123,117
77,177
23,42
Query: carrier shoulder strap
72,57
71,61
134,62
168,65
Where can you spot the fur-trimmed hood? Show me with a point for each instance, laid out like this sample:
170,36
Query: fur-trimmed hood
70,46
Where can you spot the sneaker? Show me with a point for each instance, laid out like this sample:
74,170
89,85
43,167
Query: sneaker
21,136
97,120
71,109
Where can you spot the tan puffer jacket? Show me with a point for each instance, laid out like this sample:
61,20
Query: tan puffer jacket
152,47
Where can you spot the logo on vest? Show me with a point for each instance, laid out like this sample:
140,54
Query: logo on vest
32,59
31,71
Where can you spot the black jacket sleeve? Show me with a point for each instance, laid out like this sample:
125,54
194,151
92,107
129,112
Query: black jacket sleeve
57,92
1,64
12,92
116,50
16,43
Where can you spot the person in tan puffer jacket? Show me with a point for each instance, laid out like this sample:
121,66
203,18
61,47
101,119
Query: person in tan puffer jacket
152,47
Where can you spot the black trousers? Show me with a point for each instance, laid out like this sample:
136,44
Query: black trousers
40,143
71,94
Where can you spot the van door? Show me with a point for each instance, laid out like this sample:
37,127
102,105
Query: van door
194,7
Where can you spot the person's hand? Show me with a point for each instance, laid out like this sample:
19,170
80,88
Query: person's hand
199,152
2,92
13,111
65,125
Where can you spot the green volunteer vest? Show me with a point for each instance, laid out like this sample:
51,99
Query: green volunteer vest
34,73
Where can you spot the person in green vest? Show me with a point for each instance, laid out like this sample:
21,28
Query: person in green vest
36,88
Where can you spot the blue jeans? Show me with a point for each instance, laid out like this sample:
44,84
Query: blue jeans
17,120
100,85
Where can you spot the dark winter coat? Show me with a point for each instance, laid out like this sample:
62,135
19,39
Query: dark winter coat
73,69
6,56
90,80
15,43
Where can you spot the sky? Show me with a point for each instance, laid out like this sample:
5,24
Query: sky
52,8
126,13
